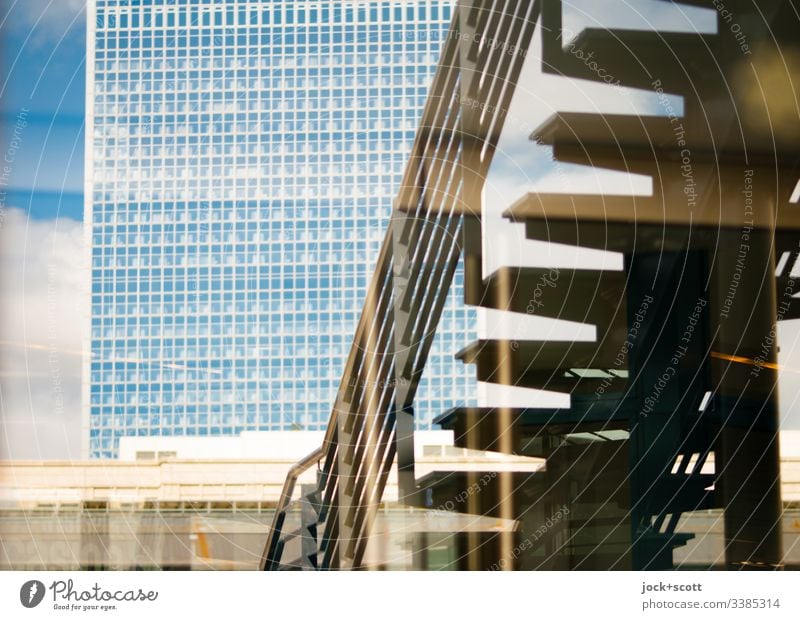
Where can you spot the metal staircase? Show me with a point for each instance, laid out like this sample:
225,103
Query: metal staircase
673,408
372,420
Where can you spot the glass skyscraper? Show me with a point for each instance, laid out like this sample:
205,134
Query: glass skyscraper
242,158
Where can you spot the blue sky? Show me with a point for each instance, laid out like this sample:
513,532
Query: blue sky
42,81
43,77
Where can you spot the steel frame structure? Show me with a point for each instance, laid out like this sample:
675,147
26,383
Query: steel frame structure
626,495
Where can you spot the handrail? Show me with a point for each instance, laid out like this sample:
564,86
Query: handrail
288,488
453,142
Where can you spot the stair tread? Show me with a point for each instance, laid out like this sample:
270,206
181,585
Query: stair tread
605,211
603,411
553,366
623,131
541,353
460,477
559,294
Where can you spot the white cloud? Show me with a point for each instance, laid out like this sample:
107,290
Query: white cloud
49,20
42,316
647,15
49,11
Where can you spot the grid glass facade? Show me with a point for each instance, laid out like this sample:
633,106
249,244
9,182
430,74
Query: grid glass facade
242,158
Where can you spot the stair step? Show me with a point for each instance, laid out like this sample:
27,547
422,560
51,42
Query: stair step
523,355
294,564
477,428
630,55
481,492
602,222
556,366
621,223
292,546
703,4
594,135
558,294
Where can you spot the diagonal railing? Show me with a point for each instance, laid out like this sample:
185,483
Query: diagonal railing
372,418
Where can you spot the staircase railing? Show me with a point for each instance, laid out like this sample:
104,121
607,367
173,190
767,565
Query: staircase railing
372,418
